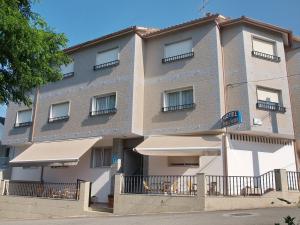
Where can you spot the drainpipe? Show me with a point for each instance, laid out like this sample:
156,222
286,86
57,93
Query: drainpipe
35,104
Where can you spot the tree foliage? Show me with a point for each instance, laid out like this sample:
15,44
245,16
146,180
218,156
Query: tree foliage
30,52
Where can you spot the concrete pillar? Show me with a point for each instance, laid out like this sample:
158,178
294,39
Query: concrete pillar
1,187
119,182
281,180
201,185
84,196
117,160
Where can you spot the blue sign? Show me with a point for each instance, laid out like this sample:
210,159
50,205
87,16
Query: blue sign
231,118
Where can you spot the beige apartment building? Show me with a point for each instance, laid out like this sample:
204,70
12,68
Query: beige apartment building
150,102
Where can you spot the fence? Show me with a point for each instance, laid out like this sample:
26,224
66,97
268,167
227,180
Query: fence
240,185
293,179
167,185
42,189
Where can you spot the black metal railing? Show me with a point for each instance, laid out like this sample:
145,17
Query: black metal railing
59,118
42,189
25,124
160,185
71,74
178,107
178,57
4,162
293,179
240,185
107,64
270,106
103,112
266,56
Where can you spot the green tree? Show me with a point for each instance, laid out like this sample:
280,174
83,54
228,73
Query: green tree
30,52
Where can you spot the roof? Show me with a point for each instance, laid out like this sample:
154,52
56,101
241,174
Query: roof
287,34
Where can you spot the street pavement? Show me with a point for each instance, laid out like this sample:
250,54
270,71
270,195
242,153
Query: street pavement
268,216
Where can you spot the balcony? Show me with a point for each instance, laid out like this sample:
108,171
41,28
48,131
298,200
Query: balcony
59,118
270,106
24,124
178,57
266,56
103,112
107,65
178,107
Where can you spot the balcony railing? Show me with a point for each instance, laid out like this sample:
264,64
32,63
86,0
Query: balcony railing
270,106
178,107
266,56
103,112
25,124
178,57
293,179
160,185
59,118
240,185
66,75
4,162
107,65
42,189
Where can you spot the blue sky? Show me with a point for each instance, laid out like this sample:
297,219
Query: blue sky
82,20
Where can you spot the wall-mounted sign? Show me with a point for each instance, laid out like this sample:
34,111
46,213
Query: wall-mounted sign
231,118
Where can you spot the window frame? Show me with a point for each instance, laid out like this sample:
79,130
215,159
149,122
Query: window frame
269,105
108,63
183,164
173,58
24,124
102,149
93,112
166,100
62,118
268,89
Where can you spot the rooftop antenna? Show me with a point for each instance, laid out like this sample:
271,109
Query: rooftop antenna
202,8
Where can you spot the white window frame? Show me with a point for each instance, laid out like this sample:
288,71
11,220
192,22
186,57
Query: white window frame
102,149
272,42
176,42
170,164
267,89
50,118
17,117
94,98
165,95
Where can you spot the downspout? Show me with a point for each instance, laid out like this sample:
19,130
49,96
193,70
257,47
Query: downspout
36,97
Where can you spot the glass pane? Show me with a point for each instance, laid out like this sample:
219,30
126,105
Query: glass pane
97,158
59,110
112,102
173,99
24,116
187,97
107,157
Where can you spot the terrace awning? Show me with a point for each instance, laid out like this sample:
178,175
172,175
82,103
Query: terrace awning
180,146
55,153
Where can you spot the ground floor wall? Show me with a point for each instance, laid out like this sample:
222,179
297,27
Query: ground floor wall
255,156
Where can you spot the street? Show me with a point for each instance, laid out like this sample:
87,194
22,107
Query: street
268,216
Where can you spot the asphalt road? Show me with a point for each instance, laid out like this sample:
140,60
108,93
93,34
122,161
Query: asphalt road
246,217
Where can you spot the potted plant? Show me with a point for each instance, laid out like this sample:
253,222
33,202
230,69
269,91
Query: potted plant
110,198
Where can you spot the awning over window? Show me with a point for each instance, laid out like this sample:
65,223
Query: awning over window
56,153
180,146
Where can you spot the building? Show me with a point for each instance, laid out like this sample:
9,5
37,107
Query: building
151,101
5,170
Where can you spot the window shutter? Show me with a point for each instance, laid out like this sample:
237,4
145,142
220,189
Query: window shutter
263,46
59,110
107,56
268,95
24,116
178,48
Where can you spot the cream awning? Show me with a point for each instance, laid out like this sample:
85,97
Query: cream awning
55,153
180,146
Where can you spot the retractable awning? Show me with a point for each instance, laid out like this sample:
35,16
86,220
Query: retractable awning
55,153
180,146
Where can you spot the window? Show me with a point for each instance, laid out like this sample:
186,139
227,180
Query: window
264,49
24,118
183,160
107,58
104,104
67,70
178,100
269,99
178,50
101,157
59,111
